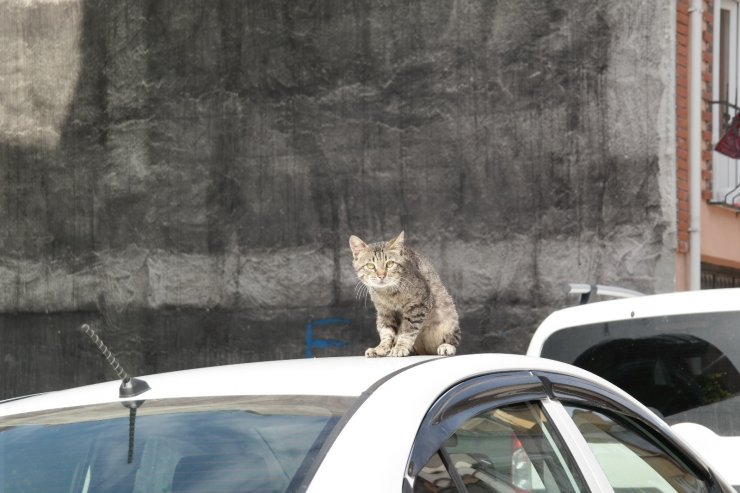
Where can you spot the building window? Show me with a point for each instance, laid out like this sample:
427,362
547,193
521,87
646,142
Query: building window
716,277
725,169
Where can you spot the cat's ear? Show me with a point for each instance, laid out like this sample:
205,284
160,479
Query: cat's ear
396,242
357,245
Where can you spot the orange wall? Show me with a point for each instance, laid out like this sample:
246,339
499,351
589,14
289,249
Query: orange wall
720,235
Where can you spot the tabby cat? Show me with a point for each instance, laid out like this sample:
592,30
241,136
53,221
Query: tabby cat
415,313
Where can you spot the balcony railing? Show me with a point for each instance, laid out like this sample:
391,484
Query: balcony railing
726,157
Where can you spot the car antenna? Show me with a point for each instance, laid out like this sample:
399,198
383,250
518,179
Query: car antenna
130,386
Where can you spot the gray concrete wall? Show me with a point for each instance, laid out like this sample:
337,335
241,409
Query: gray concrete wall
185,174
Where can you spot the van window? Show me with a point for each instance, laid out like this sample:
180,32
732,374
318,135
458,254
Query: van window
685,367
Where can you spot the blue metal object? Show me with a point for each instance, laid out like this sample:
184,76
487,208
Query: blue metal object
312,343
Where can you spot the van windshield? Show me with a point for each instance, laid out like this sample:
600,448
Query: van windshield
685,367
180,445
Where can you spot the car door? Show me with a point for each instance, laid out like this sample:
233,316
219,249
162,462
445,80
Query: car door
523,432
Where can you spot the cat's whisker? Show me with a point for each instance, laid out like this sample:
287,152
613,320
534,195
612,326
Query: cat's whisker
361,291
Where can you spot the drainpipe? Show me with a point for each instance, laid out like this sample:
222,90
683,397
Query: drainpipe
695,145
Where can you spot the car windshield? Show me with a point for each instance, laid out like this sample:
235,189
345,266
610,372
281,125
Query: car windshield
176,445
683,366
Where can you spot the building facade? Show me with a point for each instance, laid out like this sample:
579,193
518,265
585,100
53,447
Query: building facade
707,51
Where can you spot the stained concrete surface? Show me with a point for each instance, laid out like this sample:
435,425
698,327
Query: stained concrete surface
186,174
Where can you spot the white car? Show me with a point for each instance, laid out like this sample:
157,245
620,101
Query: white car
678,353
474,423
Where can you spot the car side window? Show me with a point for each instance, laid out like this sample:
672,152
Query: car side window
508,449
435,477
632,460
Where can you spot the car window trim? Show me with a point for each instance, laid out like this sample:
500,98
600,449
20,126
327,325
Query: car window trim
566,388
455,406
452,470
584,458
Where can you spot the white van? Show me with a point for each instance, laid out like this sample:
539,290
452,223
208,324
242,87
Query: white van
678,353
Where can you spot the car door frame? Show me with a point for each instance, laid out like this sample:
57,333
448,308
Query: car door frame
550,390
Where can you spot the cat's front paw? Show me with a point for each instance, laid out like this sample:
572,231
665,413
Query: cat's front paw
446,350
400,351
376,352
371,353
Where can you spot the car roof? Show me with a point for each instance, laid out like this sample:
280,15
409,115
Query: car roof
338,376
342,376
679,303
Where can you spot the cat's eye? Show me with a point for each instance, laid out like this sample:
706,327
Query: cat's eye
370,266
390,264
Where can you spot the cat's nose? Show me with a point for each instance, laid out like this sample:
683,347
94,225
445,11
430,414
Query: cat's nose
381,274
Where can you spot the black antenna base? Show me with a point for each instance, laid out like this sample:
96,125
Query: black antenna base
131,387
